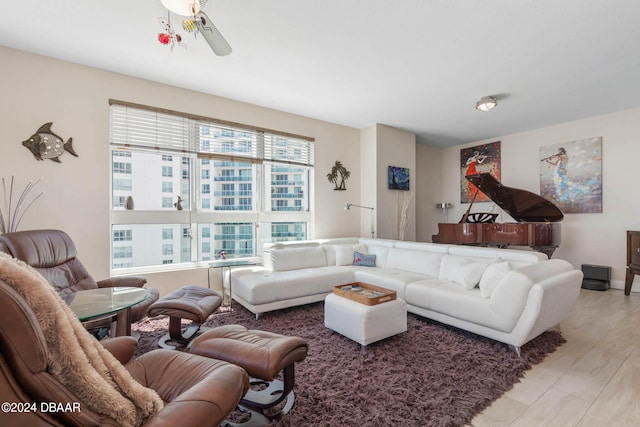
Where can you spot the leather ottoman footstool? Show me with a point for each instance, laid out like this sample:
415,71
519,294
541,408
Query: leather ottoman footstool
189,302
362,323
263,355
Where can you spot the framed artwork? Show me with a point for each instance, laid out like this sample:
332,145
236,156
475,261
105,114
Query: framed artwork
398,178
474,160
571,175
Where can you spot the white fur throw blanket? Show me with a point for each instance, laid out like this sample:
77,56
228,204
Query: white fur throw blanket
75,357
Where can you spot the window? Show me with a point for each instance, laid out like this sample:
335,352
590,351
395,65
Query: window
232,182
122,184
122,235
121,167
121,153
118,201
167,202
122,252
228,189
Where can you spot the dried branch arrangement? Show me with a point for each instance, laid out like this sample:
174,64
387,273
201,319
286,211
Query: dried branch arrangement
11,214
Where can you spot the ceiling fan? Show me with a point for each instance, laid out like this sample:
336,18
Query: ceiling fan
196,21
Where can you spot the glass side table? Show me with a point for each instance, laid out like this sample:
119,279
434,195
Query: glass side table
229,264
91,304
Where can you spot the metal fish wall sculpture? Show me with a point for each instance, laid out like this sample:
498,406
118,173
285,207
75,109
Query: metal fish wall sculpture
45,144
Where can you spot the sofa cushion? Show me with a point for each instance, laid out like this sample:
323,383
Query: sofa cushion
423,246
387,243
518,258
379,251
388,278
344,254
364,260
422,262
261,286
441,296
463,271
297,258
492,276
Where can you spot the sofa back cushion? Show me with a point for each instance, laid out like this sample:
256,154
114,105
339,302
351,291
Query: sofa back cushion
493,276
338,254
423,246
421,262
464,271
517,258
296,258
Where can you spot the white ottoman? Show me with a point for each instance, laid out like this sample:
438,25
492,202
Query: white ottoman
365,323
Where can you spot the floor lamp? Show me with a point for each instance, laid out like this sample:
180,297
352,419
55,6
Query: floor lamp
347,207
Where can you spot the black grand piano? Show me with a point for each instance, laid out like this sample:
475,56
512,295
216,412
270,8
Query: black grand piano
537,227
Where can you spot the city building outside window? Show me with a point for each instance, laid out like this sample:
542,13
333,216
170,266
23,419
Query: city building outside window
237,205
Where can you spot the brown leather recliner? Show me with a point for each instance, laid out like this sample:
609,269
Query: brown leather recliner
196,390
53,254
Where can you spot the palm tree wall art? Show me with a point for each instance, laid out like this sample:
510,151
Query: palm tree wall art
338,172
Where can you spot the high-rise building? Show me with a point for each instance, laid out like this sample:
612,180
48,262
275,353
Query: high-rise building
193,208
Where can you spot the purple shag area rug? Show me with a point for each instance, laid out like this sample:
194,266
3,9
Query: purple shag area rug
431,375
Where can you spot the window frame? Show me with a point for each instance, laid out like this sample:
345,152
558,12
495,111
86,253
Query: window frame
260,213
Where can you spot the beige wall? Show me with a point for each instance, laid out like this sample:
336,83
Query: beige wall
429,184
35,90
586,238
368,179
380,147
395,147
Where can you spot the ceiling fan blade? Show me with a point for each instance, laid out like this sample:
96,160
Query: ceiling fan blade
211,34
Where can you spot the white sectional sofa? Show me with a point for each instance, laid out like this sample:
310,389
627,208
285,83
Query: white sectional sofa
508,295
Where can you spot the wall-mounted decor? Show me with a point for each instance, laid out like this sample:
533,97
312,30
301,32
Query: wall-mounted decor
398,178
571,175
45,144
338,171
474,160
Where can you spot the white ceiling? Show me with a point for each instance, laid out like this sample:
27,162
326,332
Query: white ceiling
418,65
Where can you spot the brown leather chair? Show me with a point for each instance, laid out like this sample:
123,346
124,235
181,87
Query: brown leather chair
53,254
196,390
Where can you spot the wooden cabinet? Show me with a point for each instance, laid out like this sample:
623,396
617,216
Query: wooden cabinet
633,259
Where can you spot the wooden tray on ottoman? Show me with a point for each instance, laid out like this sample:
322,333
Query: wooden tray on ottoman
364,293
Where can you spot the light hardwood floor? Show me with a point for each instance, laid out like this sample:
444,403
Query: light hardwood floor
593,380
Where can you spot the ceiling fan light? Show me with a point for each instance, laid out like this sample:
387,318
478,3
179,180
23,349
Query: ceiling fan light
182,7
486,103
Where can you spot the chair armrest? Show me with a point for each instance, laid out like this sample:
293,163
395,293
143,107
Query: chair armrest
122,348
196,390
125,281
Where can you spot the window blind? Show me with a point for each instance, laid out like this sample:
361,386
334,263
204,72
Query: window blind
131,127
146,128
